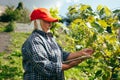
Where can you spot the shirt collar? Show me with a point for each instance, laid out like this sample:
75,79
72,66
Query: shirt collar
42,33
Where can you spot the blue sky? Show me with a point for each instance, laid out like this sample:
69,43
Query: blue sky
62,4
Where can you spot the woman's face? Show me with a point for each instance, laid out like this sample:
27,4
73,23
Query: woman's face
45,25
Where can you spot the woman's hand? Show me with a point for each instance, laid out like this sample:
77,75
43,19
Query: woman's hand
71,64
87,52
84,52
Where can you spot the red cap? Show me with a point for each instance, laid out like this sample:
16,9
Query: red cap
42,13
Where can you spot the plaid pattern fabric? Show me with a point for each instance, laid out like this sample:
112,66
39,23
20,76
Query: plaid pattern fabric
42,57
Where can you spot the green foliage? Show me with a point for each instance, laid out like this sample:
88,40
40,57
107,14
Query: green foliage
10,15
20,6
2,26
97,30
10,27
55,13
23,12
24,16
11,62
20,14
10,67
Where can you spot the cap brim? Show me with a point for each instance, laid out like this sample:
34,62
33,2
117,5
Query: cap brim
50,19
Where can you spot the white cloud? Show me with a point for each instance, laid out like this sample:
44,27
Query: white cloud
57,4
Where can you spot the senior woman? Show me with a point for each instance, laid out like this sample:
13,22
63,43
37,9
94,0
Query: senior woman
42,56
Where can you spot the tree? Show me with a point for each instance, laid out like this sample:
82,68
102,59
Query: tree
20,14
10,14
24,13
97,30
20,6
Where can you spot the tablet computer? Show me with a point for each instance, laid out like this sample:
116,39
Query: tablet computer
78,58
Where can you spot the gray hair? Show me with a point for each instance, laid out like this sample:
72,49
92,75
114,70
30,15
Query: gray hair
36,24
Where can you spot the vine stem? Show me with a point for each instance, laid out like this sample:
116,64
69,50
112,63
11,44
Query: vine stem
112,73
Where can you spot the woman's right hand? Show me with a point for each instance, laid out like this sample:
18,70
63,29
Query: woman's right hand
87,52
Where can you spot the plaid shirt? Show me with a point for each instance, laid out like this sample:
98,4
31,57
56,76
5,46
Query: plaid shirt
42,57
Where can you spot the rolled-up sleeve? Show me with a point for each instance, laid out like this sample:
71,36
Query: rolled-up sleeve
65,55
40,59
